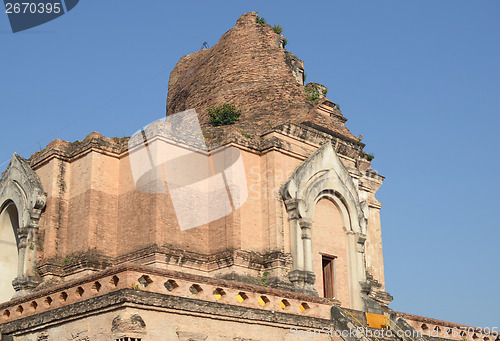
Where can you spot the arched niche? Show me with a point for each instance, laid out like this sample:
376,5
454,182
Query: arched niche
21,202
9,257
323,176
329,249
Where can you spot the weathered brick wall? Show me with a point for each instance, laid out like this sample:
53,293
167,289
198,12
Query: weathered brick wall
96,217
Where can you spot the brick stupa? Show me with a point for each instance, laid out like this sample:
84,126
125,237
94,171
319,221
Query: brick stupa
250,68
88,253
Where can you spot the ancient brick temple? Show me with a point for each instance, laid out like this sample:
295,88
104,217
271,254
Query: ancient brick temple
91,251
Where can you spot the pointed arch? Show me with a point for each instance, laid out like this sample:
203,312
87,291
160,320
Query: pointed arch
323,175
324,172
21,202
9,257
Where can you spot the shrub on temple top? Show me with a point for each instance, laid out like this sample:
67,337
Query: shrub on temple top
278,29
261,21
223,115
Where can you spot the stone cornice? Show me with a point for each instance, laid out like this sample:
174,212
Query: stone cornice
119,147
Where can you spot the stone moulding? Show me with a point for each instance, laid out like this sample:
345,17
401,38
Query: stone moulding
112,290
214,263
119,147
21,187
163,289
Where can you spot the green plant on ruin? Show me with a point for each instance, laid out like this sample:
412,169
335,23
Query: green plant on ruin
135,286
261,20
223,115
278,29
324,91
368,157
245,134
66,259
247,278
312,95
263,280
285,41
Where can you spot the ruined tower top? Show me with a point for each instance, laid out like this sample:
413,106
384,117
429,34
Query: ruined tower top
250,68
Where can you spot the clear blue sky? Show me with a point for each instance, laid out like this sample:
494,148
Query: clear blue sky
419,79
